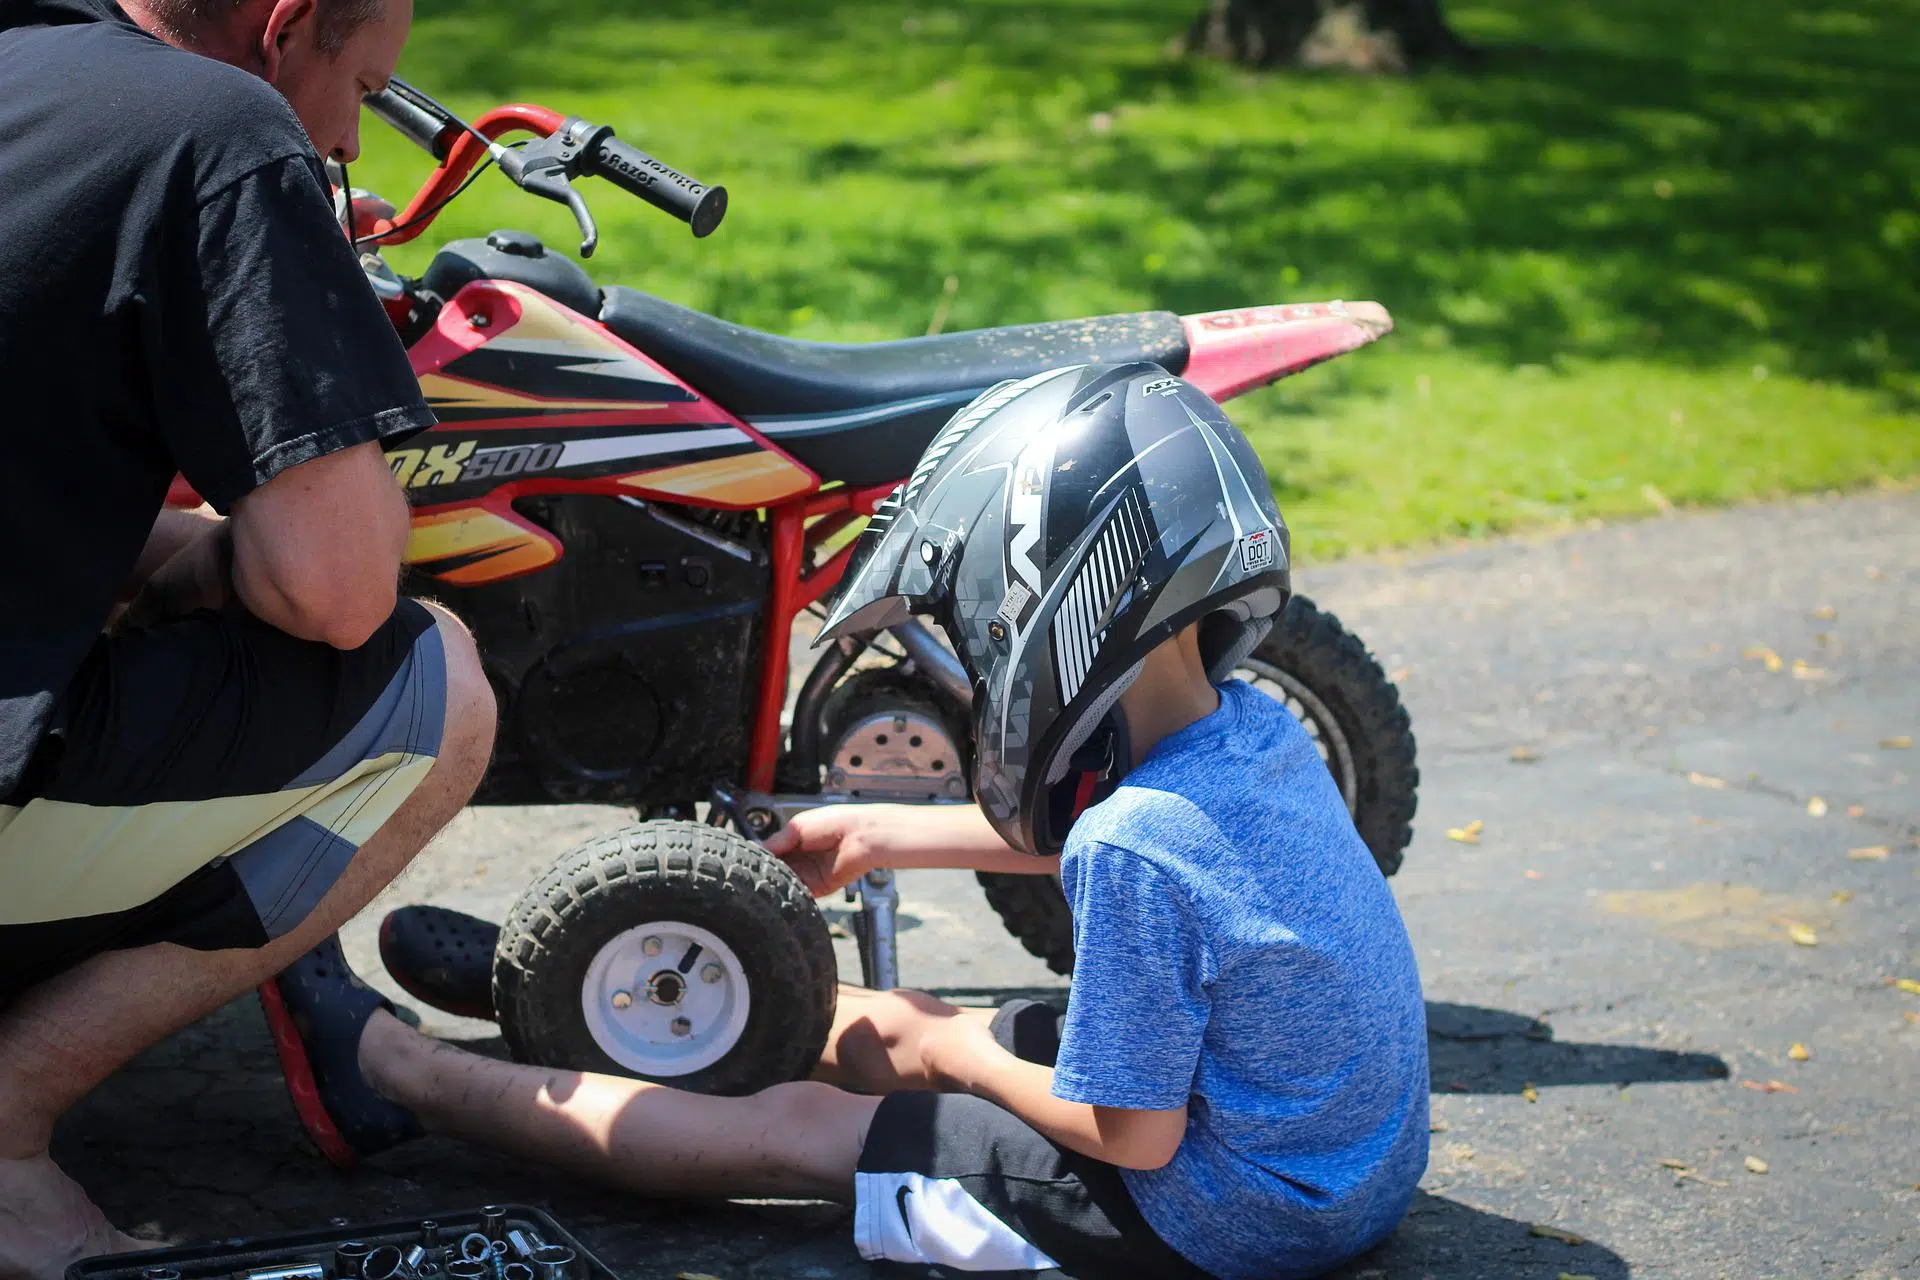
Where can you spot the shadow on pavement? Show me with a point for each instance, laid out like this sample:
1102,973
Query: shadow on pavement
1475,1050
1443,1239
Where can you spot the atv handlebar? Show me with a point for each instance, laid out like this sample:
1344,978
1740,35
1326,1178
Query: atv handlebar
634,171
567,149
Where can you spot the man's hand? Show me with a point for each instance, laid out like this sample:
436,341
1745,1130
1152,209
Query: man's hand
199,575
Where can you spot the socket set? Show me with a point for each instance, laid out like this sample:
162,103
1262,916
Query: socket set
498,1242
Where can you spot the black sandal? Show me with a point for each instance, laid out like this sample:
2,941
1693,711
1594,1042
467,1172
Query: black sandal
317,1011
442,958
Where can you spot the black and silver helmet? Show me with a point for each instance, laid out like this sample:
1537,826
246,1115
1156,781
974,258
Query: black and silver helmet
1059,528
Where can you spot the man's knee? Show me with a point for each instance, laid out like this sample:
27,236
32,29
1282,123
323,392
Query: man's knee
472,713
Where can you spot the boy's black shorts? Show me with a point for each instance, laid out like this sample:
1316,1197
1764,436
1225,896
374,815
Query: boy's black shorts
210,781
951,1180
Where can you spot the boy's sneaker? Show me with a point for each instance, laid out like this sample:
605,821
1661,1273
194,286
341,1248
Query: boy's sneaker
442,958
317,1011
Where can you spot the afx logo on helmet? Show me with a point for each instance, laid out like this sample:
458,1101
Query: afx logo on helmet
1059,529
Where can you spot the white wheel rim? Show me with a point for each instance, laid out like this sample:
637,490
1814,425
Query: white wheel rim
666,999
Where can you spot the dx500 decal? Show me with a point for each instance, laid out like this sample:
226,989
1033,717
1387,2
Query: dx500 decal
465,462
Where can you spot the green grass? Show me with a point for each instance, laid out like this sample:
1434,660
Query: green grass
1649,253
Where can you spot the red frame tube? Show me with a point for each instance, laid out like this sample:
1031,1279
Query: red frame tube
795,586
466,152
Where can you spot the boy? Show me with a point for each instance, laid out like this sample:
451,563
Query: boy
1239,1085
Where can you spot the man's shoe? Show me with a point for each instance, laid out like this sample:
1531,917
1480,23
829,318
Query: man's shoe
317,1011
442,958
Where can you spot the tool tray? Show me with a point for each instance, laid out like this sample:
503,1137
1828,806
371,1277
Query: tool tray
229,1259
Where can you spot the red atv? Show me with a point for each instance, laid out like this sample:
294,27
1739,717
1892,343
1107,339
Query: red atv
632,503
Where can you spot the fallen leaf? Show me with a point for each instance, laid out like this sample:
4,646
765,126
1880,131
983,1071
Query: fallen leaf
1870,853
1439,1126
1673,1164
1760,653
1826,613
1908,985
1459,1151
1756,1165
1911,1016
1799,1052
1554,1233
1803,670
1398,674
1817,807
1656,499
1568,1275
1469,834
1707,780
1800,934
1840,897
1901,743
1771,1086
1525,755
1855,810
1530,1093
1531,874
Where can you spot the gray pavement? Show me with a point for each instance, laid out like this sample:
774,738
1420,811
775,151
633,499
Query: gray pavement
1612,979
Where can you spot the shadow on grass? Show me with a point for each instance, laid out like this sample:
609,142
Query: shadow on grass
1701,185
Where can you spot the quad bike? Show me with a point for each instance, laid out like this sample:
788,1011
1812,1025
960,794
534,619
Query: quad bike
632,504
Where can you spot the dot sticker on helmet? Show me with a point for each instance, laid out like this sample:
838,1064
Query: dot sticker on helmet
1010,608
1256,551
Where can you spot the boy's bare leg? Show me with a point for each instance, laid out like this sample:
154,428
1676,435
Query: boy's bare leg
61,1039
800,1140
875,1042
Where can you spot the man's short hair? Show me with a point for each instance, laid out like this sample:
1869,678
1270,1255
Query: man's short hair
337,19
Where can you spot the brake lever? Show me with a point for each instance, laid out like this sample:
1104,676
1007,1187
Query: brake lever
544,168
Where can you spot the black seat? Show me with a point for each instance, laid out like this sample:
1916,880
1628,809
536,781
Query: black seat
863,413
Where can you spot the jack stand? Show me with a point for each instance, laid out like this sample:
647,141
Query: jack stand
875,929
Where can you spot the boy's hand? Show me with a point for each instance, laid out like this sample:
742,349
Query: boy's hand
831,847
953,1051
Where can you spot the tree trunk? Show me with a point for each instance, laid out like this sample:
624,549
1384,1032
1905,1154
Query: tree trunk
1381,35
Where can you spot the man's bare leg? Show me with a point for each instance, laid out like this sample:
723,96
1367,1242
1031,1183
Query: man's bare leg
61,1039
800,1139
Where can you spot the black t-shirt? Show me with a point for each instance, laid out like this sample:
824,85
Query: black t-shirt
175,295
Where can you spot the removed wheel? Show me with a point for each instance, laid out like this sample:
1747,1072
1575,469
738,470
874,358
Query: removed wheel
1338,692
670,951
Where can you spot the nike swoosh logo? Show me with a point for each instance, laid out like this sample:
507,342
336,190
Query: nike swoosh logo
900,1198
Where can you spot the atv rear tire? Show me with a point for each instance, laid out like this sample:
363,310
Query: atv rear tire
670,951
1326,677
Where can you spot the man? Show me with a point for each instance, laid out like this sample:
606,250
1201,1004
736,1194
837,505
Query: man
265,739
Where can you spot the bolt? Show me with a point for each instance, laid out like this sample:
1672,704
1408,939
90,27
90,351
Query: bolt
837,778
711,974
480,320
681,1027
651,946
623,1000
759,821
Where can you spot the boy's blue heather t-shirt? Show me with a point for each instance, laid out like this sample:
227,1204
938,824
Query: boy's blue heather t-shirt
1238,951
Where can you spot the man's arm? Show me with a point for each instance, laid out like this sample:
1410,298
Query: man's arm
831,847
317,549
963,1054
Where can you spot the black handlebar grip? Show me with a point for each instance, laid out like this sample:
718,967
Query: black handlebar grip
695,203
415,123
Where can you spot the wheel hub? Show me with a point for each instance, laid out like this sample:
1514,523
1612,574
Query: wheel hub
904,755
696,999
